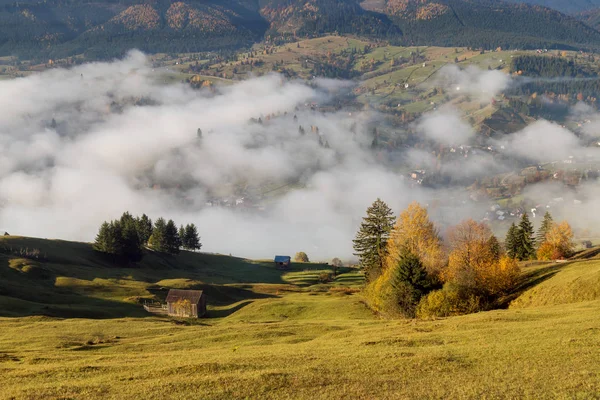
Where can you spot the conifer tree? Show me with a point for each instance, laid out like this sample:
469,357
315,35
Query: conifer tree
526,239
495,248
109,239
104,239
158,239
191,239
544,229
510,242
173,241
182,236
410,270
144,228
131,244
370,244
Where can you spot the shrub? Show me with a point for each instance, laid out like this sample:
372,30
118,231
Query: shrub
301,257
449,301
325,277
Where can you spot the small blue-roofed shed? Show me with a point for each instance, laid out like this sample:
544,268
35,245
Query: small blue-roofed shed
283,261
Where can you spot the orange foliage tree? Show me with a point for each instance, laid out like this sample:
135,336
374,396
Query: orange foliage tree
558,242
476,263
416,234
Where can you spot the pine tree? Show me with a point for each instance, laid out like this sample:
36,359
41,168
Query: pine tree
182,236
544,229
109,239
172,239
144,228
526,239
495,248
158,239
510,242
132,246
191,239
103,239
410,270
370,244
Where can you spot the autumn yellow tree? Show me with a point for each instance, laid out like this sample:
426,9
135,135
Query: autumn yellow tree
558,242
415,233
475,261
413,258
471,252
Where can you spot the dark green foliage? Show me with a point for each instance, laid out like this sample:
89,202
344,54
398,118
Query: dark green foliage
108,239
190,238
549,67
144,228
172,239
525,240
132,246
495,248
120,238
410,270
158,239
511,242
370,244
544,228
409,283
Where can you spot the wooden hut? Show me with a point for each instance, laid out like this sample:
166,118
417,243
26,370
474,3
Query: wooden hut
283,262
186,303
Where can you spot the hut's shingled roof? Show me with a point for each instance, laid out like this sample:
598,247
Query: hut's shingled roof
279,259
193,296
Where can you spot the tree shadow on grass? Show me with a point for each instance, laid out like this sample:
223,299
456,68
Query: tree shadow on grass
225,312
530,280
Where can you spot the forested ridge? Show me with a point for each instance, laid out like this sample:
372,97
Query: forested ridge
108,28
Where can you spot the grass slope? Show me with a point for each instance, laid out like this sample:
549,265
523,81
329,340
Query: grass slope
544,353
562,283
274,334
72,280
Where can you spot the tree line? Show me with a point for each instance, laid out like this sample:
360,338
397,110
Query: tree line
127,237
411,271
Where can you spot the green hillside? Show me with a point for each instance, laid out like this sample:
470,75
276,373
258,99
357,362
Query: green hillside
69,279
274,334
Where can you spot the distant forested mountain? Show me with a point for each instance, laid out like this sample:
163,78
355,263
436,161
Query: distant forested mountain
591,18
484,23
565,6
107,28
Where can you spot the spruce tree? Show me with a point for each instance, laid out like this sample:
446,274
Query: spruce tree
158,239
510,242
132,246
144,228
182,236
191,239
370,244
410,270
544,228
173,241
526,239
409,282
103,238
495,248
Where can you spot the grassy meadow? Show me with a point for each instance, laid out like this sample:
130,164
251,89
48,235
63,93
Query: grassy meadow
72,327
